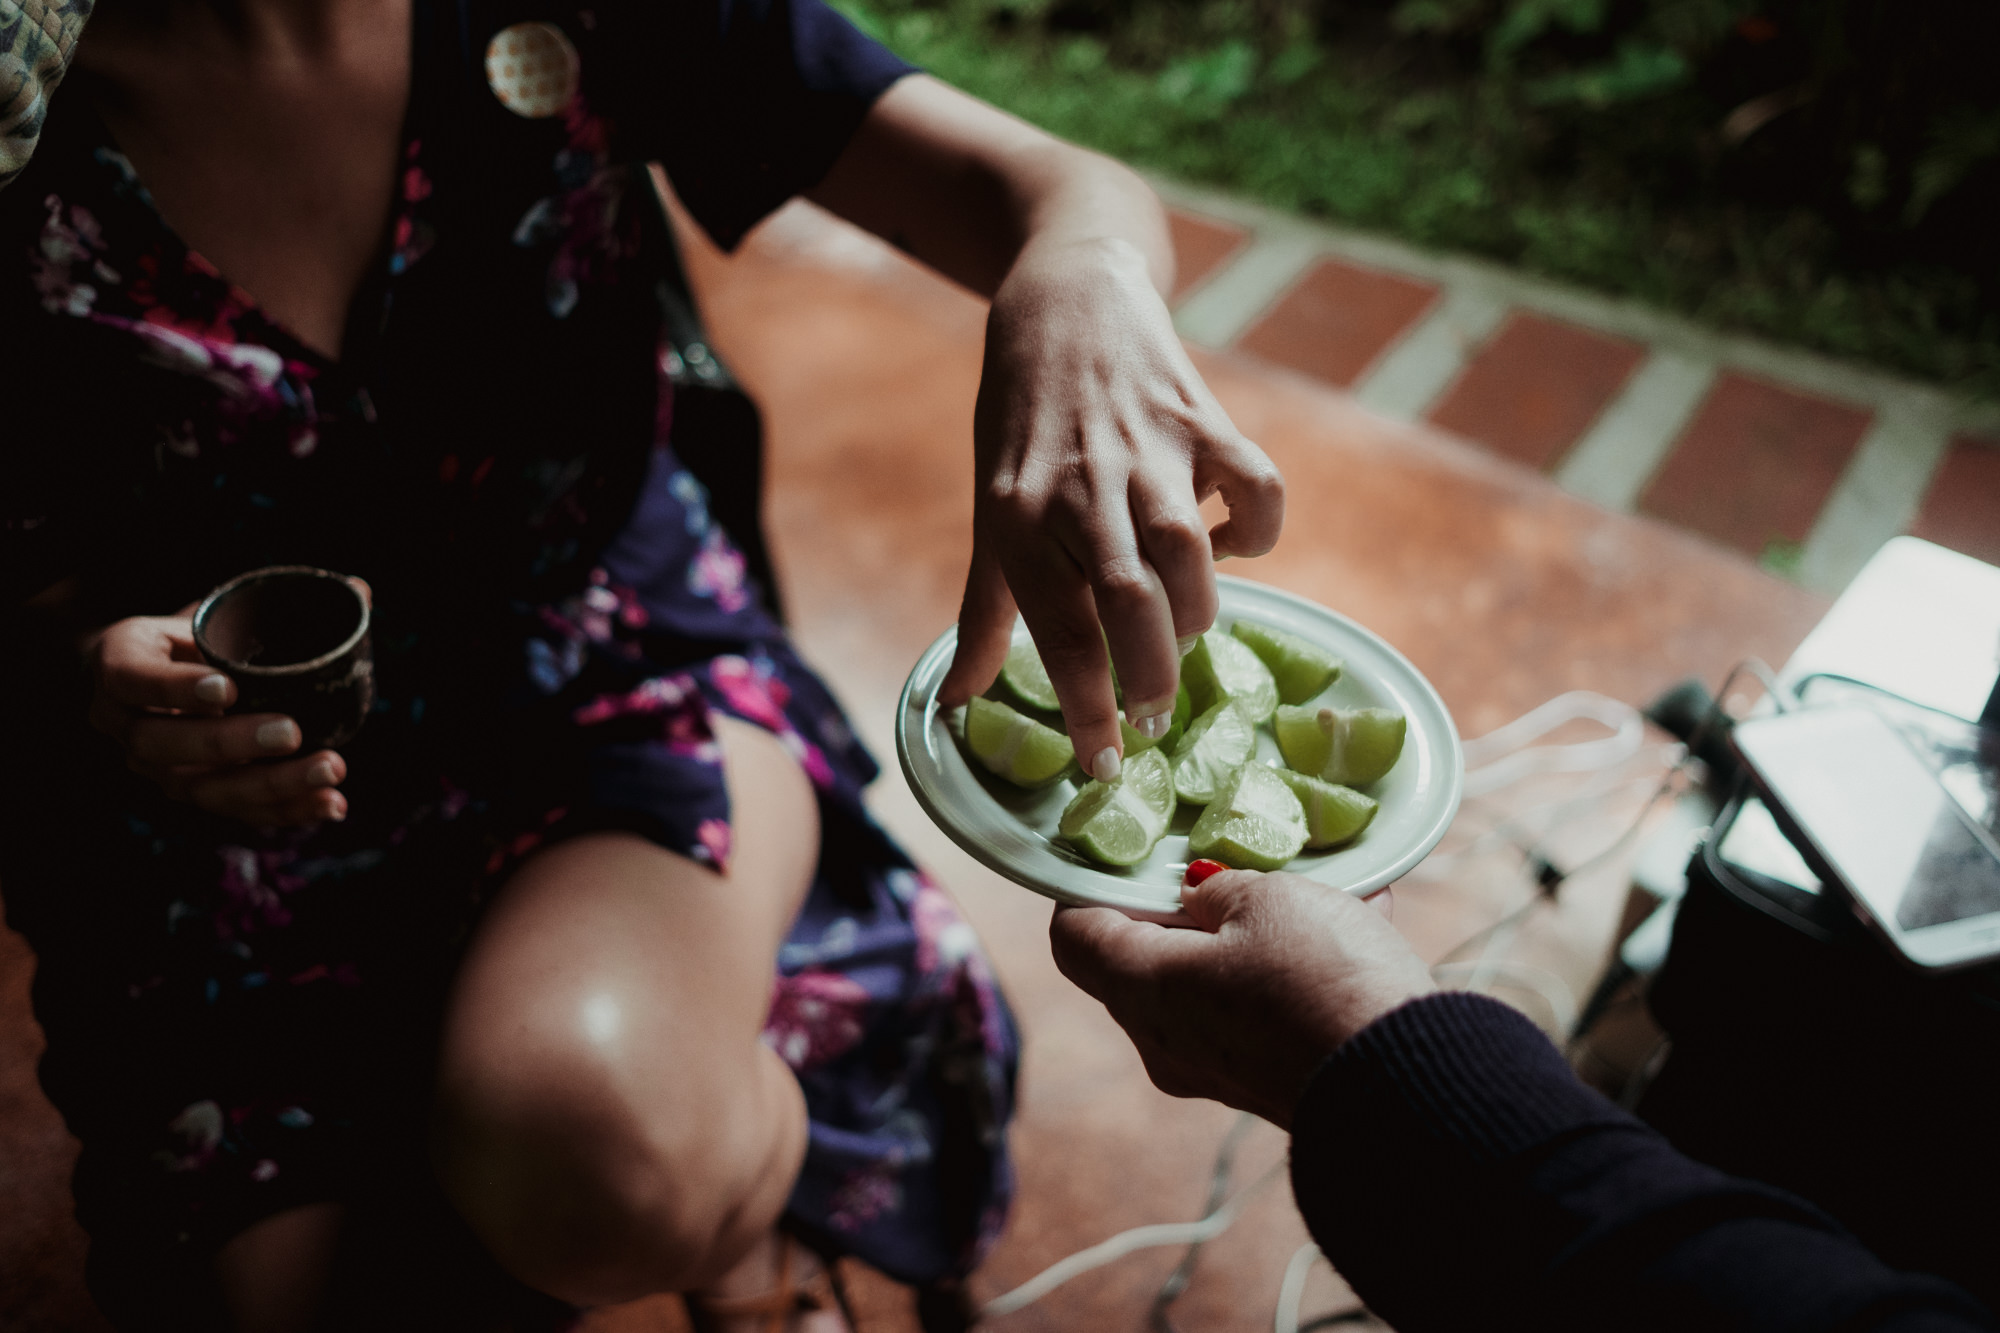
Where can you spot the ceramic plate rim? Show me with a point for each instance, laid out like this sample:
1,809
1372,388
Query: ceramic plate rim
1016,852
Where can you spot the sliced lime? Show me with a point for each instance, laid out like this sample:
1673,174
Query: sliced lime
1254,823
1350,746
1301,739
1300,667
1217,744
1015,747
1220,668
1334,814
1026,678
1136,741
1118,823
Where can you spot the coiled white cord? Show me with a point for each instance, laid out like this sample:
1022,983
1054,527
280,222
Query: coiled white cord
1127,1242
1507,754
1292,1291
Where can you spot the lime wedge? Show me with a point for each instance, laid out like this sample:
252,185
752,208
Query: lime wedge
1300,738
1026,679
1135,742
1300,667
1015,747
1118,823
1350,746
1334,814
1220,668
1216,745
1254,823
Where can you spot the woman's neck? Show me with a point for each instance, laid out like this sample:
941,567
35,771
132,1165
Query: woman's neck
268,132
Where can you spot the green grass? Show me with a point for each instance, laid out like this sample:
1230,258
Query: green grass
1467,163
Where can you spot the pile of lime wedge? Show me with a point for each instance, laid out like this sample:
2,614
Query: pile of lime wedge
1253,816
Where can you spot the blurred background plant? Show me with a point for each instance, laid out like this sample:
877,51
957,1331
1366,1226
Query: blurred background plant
1826,172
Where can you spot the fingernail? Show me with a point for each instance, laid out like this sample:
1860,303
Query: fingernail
1198,871
1105,766
280,734
323,774
1186,643
1154,725
338,812
212,690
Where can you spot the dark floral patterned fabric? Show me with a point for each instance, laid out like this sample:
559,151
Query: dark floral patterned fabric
239,1020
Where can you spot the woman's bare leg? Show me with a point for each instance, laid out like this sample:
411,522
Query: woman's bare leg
274,1274
608,1120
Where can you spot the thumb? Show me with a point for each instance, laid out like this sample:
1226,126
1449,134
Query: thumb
1102,949
1224,896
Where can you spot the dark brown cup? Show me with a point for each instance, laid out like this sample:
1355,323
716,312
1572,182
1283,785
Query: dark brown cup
295,641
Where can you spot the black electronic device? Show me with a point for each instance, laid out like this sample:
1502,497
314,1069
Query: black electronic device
1874,819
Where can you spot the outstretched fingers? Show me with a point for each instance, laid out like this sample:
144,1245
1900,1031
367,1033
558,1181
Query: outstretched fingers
1138,624
1062,615
1253,490
1175,542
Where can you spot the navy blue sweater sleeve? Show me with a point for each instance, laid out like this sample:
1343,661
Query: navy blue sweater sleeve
1459,1176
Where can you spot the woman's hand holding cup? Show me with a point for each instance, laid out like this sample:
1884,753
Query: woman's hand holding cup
158,699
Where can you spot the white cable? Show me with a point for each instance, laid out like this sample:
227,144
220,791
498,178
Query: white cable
1555,992
1487,964
1544,718
1514,830
1128,1242
1292,1291
1505,756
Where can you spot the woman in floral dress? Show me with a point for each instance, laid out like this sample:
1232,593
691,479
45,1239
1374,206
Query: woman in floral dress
583,961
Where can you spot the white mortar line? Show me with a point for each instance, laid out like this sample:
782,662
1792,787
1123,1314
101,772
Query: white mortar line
1230,301
1619,454
1828,376
1407,378
1878,493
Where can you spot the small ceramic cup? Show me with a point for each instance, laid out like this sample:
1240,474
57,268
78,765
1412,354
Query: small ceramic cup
295,641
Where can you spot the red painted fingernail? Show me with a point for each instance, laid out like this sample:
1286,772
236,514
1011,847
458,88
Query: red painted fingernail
1198,871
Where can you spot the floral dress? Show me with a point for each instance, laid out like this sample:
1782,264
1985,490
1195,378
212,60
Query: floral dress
241,1021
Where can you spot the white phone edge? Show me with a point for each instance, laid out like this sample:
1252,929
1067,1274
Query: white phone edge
1943,947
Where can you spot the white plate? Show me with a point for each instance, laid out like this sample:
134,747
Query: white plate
1013,831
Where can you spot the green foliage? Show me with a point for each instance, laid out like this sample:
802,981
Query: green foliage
1607,144
1206,82
1961,141
1522,21
1639,70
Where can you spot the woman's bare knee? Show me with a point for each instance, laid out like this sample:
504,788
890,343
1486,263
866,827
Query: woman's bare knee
594,1196
607,1119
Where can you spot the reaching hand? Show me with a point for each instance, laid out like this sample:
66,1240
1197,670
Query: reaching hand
157,698
1096,443
1281,971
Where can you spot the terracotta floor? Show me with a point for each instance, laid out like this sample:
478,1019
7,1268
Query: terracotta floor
1499,586
1808,463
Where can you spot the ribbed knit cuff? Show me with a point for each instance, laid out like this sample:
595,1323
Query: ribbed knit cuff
1455,1068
